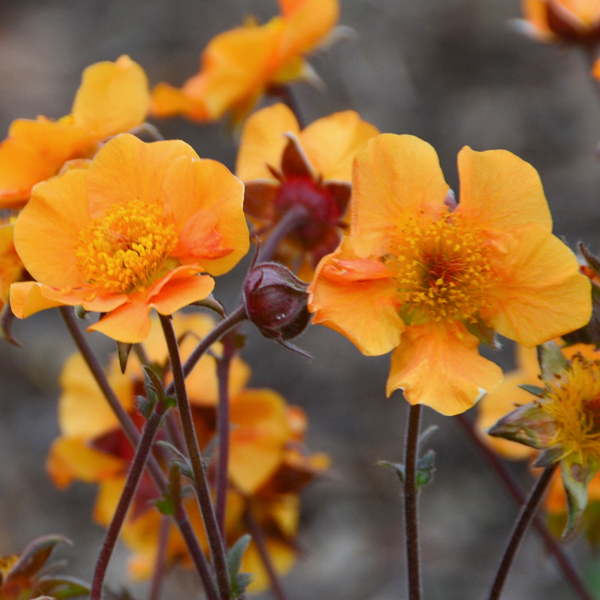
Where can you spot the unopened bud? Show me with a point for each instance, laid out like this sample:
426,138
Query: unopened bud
276,301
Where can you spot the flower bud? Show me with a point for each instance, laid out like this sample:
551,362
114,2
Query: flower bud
276,301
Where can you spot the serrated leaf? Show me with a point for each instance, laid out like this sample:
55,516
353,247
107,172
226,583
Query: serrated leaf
236,552
239,584
153,383
532,389
145,405
552,360
425,468
397,467
123,350
181,460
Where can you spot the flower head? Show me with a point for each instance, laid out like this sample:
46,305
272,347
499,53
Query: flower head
431,281
569,21
113,98
563,421
307,171
136,228
240,65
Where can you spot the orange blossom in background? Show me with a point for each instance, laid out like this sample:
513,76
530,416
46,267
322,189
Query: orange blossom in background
418,276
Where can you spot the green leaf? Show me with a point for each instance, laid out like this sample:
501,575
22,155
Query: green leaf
165,505
62,588
239,581
532,389
425,468
181,460
576,478
123,350
552,360
145,405
239,584
397,467
425,435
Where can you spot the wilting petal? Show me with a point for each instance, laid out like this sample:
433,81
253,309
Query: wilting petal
394,178
113,98
438,365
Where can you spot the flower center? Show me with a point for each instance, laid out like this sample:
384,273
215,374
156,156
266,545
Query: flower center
127,248
442,271
574,403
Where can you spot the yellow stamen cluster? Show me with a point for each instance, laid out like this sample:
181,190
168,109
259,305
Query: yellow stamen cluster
127,248
442,270
574,403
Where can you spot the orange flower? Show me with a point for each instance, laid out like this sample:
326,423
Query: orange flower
133,231
570,21
431,281
239,66
11,267
268,464
112,98
284,168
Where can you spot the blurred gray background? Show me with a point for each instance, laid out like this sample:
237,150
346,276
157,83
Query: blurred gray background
448,71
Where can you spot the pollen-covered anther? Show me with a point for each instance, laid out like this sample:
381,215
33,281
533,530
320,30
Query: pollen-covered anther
442,270
127,248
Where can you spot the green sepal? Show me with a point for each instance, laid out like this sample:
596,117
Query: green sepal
397,467
62,588
123,350
168,503
548,457
181,460
483,332
145,405
552,360
80,312
239,581
528,424
576,478
425,468
532,389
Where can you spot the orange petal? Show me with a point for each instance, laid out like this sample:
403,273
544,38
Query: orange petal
72,458
192,185
282,555
83,411
361,306
127,168
130,323
182,291
540,293
396,177
257,440
113,98
332,143
582,14
27,298
263,141
48,229
168,101
536,12
501,192
35,151
109,492
438,365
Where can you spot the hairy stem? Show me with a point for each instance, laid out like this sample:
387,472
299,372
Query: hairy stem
161,557
513,487
215,541
521,525
411,496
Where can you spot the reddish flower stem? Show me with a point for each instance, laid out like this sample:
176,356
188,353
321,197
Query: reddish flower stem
411,497
292,218
161,557
181,518
200,483
258,537
513,487
223,428
142,453
525,517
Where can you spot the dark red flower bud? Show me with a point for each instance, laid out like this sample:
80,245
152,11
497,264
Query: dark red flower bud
276,301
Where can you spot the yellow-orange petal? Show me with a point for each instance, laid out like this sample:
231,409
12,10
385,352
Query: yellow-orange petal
48,229
83,411
109,492
331,143
192,185
263,141
536,12
540,293
72,458
438,365
500,192
396,177
126,169
113,98
282,555
130,323
27,298
582,14
361,306
35,151
182,291
260,431
168,101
